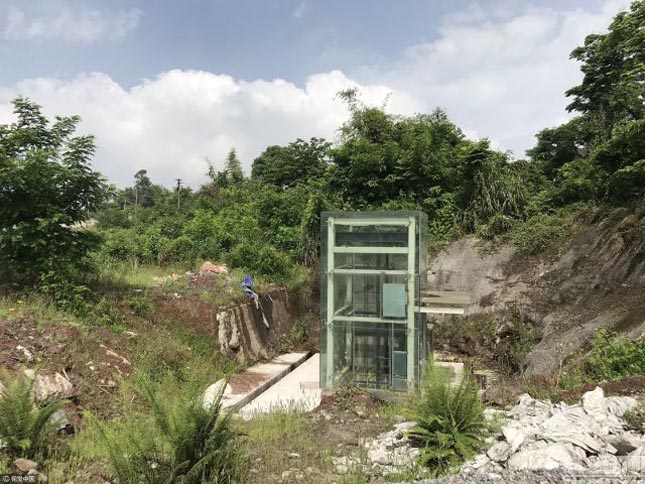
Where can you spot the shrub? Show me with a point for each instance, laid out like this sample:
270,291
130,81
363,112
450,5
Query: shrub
297,336
122,245
514,344
181,442
141,305
627,183
181,249
450,421
578,180
635,418
263,260
26,427
538,233
613,357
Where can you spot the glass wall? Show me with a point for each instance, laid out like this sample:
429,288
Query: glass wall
373,267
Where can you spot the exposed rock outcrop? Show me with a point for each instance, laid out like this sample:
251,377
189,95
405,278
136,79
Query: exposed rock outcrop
595,280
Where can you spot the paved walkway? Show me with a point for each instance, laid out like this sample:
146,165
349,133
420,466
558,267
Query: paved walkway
300,389
245,386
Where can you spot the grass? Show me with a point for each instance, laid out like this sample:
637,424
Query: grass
275,435
35,305
126,275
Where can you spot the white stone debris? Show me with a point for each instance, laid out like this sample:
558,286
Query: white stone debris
26,354
391,451
537,439
586,438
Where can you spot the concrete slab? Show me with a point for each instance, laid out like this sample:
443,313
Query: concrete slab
245,386
299,389
454,370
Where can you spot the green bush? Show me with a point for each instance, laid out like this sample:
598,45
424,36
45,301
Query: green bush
181,249
614,357
627,183
122,245
47,191
263,260
578,180
26,426
635,418
179,442
538,233
451,426
141,305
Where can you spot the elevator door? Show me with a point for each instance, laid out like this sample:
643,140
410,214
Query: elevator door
372,358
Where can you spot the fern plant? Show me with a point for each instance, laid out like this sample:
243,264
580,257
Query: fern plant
181,442
450,421
26,426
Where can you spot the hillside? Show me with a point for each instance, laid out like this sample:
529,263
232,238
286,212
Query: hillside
591,278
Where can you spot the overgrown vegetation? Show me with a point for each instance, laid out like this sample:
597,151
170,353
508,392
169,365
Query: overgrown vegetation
380,161
451,424
613,357
27,428
502,342
610,358
75,252
635,418
179,441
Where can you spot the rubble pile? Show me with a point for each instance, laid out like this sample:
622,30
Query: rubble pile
541,440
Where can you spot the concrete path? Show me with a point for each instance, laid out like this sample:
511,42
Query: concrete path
245,386
300,389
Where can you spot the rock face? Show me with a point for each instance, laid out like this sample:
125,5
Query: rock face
596,280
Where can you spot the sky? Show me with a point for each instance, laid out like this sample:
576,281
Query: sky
167,85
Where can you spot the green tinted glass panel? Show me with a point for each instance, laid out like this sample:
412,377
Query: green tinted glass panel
394,300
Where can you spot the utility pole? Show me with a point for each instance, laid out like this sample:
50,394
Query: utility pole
178,193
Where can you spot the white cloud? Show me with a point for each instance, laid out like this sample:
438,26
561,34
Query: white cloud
170,124
300,10
499,74
69,22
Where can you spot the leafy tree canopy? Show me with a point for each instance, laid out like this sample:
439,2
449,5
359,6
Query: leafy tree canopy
287,166
613,64
47,188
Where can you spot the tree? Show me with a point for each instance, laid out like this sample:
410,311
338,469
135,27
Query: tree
613,64
558,146
233,167
47,190
287,166
142,185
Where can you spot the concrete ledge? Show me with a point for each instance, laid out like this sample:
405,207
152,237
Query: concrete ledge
246,386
